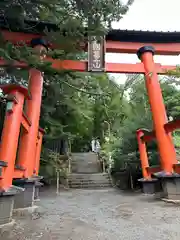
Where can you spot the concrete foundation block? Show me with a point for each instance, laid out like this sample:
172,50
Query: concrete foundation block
151,186
36,194
26,198
38,185
6,209
7,204
170,185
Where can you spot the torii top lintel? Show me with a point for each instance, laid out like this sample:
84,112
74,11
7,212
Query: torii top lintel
117,41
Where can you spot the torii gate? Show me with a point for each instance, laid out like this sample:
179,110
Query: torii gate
25,173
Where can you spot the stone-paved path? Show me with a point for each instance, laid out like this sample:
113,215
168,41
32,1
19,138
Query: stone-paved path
99,215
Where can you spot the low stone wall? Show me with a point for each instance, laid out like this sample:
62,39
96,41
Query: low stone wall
121,180
125,179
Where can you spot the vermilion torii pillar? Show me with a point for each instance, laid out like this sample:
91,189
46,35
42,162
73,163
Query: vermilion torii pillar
38,151
27,152
143,154
164,139
11,129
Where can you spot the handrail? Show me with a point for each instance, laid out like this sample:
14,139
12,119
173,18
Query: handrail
69,164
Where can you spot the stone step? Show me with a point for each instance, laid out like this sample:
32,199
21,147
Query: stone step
90,165
86,172
84,154
89,185
84,175
84,157
89,181
97,174
86,168
83,163
83,172
92,186
92,178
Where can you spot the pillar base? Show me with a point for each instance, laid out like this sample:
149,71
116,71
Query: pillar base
36,193
151,186
6,205
170,185
19,212
26,198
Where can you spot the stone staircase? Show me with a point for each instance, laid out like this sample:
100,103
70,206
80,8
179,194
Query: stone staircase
86,172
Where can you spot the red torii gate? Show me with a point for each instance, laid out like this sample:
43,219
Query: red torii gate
170,48
30,147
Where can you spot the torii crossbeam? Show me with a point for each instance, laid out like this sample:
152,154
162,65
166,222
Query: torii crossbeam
82,66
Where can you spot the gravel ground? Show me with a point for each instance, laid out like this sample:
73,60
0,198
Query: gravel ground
100,214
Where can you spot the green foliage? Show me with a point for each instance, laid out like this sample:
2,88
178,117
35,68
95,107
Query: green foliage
77,105
67,12
81,114
171,97
52,162
75,20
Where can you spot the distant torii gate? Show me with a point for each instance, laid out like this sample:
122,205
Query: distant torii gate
117,41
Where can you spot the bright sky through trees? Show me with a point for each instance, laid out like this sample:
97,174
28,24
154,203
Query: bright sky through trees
150,15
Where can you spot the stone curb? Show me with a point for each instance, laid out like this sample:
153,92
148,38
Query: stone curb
5,227
25,211
171,201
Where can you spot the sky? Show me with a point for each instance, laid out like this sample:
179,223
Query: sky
150,15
